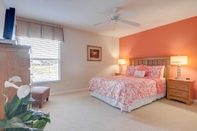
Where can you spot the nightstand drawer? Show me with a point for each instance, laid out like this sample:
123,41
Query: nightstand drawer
178,93
177,86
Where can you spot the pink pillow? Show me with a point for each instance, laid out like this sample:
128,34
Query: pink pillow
143,68
154,71
130,70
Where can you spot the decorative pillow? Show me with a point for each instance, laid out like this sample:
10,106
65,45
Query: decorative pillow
143,68
130,70
138,73
154,71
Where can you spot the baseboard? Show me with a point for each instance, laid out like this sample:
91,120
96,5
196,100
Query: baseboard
195,101
63,92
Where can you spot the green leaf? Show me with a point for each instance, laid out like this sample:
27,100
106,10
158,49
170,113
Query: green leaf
30,122
40,124
21,108
25,113
35,129
26,117
2,123
15,122
13,105
28,101
38,115
6,107
22,129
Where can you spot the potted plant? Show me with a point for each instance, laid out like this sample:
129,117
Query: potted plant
18,115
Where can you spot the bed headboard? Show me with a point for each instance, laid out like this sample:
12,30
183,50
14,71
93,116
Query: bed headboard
153,61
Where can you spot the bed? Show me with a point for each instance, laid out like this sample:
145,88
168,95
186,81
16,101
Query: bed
129,92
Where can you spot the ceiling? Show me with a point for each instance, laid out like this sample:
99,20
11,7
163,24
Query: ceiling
82,14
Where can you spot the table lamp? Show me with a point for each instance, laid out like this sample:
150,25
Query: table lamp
178,60
121,62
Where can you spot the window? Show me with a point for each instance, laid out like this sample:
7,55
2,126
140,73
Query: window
44,58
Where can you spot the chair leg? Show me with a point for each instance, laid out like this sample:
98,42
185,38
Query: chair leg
40,105
47,99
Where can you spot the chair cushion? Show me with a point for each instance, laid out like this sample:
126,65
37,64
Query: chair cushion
40,89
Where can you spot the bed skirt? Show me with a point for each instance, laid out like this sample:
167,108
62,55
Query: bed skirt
135,104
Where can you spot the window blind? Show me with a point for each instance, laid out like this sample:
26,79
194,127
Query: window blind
41,48
45,58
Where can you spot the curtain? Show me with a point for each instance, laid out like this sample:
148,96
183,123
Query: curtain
38,30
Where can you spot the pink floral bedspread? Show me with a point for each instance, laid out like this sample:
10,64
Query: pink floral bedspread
125,89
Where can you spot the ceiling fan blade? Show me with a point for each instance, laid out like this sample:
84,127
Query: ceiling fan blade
101,23
104,14
130,23
128,14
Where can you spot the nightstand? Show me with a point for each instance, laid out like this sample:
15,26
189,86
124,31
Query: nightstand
181,90
116,74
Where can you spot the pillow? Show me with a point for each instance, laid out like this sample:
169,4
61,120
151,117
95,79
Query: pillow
162,72
130,70
155,71
143,68
138,73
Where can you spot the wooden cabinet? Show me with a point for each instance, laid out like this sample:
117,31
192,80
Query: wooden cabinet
181,90
14,61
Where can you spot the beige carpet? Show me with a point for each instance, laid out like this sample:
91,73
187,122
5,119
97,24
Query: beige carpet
80,112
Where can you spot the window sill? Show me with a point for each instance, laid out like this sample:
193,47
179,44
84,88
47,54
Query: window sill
46,82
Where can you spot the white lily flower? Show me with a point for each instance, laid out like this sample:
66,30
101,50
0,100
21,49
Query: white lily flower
9,84
23,91
15,79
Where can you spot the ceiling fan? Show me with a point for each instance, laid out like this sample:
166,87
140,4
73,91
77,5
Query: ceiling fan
116,17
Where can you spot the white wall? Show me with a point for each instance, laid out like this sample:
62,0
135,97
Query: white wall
76,71
2,17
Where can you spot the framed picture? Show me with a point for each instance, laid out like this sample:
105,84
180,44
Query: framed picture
94,53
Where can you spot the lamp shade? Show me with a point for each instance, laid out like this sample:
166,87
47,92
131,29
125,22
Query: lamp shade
121,61
178,60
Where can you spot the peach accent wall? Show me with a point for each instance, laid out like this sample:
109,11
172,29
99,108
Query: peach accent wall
179,38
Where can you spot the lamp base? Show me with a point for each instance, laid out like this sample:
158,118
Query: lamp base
178,78
178,72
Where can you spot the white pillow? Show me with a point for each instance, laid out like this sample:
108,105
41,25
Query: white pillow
162,72
138,73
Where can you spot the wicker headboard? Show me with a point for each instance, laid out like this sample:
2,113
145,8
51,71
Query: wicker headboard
153,61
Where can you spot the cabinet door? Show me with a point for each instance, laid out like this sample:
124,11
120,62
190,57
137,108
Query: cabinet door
3,78
14,61
18,65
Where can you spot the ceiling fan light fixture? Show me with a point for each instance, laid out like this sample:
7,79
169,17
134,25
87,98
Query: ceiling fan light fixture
116,9
115,16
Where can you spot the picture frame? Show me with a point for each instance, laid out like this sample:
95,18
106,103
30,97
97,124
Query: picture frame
94,53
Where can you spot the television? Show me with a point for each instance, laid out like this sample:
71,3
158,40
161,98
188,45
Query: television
9,25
